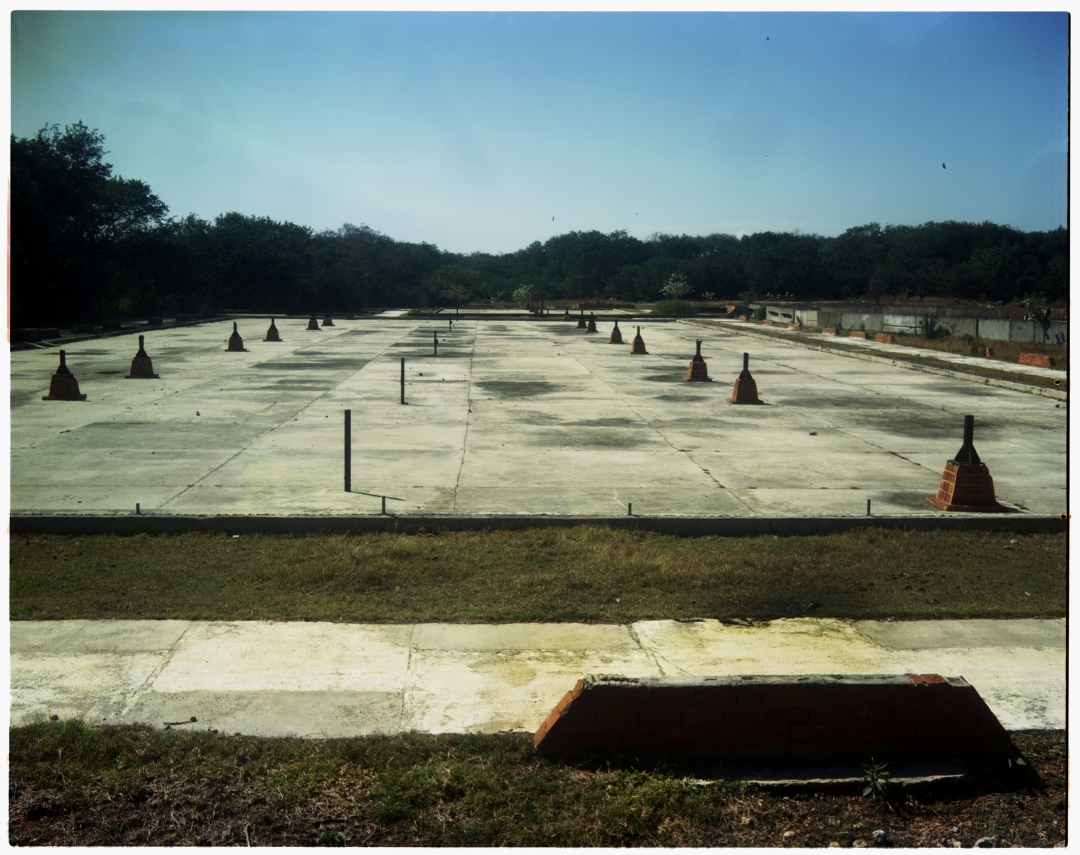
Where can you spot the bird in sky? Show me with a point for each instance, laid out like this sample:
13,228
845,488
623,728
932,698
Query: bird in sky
943,166
552,219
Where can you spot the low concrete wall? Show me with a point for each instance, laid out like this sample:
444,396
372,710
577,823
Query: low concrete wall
745,717
153,523
992,329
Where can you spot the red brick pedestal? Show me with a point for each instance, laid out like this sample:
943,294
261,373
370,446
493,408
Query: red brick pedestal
272,333
616,335
63,386
638,345
698,371
141,367
965,487
236,343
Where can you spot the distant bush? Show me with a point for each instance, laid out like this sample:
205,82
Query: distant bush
674,308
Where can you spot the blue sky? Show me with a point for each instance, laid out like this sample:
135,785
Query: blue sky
472,130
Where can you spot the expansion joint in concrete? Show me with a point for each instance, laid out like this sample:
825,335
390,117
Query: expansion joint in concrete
148,683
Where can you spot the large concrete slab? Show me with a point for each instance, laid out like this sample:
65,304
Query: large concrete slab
327,679
511,417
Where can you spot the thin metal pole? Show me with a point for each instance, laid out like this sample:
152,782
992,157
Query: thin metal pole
403,379
348,451
868,507
384,504
629,509
435,338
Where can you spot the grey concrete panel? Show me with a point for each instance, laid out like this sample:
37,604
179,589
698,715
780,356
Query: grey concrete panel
522,636
923,635
307,714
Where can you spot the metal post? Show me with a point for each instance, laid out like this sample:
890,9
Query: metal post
137,508
384,504
629,509
348,451
868,507
435,337
403,379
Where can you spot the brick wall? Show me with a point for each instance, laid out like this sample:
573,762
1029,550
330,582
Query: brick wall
765,716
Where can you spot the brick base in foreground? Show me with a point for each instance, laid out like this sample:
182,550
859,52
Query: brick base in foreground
966,487
785,717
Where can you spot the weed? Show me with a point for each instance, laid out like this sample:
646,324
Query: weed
876,775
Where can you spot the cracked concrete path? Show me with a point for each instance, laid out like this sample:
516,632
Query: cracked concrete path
329,679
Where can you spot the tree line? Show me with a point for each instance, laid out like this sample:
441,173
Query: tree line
89,245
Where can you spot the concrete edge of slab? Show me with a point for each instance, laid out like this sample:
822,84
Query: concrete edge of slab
44,522
1015,386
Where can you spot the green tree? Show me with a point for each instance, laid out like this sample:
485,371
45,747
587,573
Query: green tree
67,214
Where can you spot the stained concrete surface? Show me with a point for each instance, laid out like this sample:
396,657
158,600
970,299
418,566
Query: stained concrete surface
518,417
326,679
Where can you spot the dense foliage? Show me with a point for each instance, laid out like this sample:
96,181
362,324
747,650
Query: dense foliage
89,245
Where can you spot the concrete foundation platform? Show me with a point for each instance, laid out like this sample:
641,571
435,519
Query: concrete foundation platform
324,679
512,417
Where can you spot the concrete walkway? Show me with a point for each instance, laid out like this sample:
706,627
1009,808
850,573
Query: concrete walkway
330,679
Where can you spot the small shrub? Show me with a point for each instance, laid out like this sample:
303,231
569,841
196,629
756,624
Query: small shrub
674,309
931,328
676,287
876,775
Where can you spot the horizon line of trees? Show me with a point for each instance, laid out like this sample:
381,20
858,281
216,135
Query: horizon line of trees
87,245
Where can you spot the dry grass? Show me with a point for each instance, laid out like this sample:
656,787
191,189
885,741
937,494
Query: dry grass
74,785
551,574
1004,351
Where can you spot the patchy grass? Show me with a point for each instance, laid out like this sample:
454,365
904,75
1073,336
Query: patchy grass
550,574
1004,351
74,785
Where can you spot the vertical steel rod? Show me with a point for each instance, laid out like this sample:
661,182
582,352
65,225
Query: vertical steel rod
629,509
403,379
969,430
348,451
868,507
384,504
435,337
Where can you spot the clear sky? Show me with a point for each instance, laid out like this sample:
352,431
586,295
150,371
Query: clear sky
472,130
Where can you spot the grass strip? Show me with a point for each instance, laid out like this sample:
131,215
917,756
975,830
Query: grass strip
70,784
553,574
915,358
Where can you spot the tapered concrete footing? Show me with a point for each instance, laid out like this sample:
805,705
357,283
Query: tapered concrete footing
638,344
313,324
592,324
272,332
141,367
328,321
581,321
235,342
616,335
63,386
